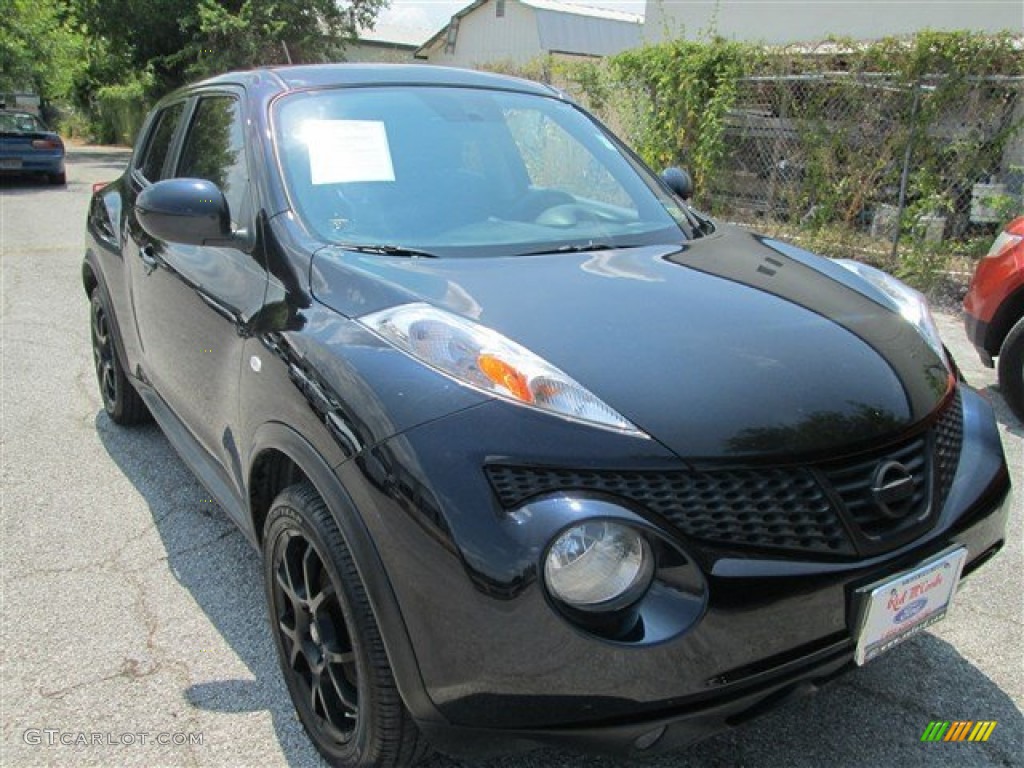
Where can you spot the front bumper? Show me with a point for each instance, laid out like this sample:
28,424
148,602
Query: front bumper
506,670
657,733
666,730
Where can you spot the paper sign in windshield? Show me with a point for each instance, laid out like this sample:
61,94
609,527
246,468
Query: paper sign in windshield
348,150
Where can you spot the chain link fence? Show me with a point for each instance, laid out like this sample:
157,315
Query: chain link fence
900,163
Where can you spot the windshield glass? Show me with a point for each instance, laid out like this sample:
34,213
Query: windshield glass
19,122
460,171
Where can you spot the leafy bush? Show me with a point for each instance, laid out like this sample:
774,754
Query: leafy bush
120,109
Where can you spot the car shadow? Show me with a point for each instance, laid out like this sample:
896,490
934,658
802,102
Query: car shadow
25,184
211,558
873,716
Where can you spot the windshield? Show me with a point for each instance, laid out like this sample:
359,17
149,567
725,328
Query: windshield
460,171
19,122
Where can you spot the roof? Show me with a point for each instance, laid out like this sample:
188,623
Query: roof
584,10
392,35
569,28
325,75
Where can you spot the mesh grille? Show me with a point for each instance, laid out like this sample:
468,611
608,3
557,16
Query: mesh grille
827,509
775,508
949,437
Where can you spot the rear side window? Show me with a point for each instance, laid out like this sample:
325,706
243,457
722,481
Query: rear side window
155,153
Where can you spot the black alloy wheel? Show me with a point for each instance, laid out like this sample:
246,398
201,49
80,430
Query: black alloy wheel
120,400
327,639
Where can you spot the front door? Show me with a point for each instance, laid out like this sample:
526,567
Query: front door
193,303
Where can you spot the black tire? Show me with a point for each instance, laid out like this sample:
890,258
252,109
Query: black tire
1011,369
59,178
122,403
331,653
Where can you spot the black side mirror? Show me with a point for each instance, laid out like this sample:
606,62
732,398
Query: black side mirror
678,181
189,211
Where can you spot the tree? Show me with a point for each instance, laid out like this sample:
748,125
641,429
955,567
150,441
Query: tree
131,37
40,48
229,35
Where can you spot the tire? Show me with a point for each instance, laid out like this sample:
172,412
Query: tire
122,403
59,178
328,643
1011,369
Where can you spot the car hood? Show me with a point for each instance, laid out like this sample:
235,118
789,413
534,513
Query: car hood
729,346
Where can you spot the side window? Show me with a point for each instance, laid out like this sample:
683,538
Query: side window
155,153
214,150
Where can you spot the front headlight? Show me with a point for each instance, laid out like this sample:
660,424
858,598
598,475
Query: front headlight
484,359
911,305
599,565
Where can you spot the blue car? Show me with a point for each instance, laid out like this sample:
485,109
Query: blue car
29,147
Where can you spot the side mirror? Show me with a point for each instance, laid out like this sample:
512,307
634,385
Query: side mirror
188,211
678,181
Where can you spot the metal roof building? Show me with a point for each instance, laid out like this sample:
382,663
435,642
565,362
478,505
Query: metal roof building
516,31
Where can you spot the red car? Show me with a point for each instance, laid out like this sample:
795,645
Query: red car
994,309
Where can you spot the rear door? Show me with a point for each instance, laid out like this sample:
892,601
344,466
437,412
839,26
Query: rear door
194,303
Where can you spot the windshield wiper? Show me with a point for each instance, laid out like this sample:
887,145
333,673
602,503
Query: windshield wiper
580,248
387,250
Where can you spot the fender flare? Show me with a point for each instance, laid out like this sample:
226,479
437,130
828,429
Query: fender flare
383,602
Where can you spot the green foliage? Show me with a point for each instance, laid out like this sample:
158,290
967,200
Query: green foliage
958,54
40,48
684,92
259,32
120,109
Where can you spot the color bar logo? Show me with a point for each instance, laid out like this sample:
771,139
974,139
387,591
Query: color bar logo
958,730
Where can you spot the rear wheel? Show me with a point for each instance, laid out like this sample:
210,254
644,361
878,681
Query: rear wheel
59,178
328,642
120,400
1011,369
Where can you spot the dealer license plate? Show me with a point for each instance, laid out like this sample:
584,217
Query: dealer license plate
903,605
10,163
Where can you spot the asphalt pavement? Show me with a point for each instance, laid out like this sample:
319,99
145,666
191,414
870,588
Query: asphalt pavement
133,626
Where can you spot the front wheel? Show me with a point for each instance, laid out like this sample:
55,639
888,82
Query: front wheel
328,642
1011,369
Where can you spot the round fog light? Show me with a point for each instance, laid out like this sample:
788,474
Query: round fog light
599,566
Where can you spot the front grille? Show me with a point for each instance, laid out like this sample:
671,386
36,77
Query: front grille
949,437
774,508
825,509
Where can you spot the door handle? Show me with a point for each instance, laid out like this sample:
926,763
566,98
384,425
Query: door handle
149,258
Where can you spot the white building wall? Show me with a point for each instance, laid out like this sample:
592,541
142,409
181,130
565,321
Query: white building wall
483,38
805,21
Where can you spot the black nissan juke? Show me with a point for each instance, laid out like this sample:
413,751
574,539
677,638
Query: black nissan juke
533,451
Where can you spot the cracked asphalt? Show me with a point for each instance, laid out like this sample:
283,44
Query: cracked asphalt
133,610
